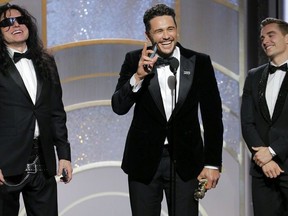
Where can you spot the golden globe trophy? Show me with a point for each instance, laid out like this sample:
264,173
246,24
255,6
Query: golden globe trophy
201,190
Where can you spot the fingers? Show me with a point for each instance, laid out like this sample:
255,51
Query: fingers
259,163
272,173
212,183
69,175
262,156
146,63
255,148
212,176
65,165
272,170
1,178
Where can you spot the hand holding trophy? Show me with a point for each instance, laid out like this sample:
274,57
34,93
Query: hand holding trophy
201,190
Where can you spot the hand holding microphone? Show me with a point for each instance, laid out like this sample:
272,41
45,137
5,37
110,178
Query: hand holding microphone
146,62
147,67
64,177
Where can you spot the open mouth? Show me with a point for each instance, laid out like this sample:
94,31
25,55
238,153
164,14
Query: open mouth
166,43
16,32
268,47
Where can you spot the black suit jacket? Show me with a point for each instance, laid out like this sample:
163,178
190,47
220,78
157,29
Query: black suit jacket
17,122
258,128
149,126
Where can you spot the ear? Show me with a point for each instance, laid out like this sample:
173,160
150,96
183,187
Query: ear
147,36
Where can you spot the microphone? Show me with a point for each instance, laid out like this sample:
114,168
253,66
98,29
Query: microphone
174,64
171,82
151,55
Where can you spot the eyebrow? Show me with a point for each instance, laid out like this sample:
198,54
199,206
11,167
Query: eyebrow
168,27
268,33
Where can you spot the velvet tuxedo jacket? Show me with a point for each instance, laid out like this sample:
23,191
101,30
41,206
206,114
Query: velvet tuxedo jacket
258,127
17,122
149,127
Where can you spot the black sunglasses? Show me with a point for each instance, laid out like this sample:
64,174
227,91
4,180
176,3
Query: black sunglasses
11,20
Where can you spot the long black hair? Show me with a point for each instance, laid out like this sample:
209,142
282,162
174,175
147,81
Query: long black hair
42,60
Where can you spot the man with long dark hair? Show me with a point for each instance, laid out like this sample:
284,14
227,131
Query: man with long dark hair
32,119
164,131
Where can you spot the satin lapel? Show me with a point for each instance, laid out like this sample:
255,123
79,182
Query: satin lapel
186,80
154,89
14,73
261,95
281,98
39,84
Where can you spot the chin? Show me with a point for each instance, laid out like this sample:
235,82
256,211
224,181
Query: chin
166,53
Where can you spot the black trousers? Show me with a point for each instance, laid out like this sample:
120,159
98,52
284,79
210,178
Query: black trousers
270,196
146,200
39,194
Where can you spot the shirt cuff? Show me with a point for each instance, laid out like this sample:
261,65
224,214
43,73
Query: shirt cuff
211,167
272,151
135,86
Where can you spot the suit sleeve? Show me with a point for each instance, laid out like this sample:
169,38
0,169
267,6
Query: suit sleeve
60,133
211,113
123,97
248,123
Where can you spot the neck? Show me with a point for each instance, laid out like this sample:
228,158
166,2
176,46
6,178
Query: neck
18,47
279,60
278,63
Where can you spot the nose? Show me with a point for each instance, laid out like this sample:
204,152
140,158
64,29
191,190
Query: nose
15,23
264,40
166,35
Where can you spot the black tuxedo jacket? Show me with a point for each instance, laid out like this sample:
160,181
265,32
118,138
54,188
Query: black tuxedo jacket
258,128
149,127
17,122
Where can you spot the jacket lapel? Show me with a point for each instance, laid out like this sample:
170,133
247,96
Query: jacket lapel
186,80
281,98
154,89
39,84
261,95
14,73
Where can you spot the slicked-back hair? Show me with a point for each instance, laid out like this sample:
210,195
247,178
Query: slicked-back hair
155,11
283,26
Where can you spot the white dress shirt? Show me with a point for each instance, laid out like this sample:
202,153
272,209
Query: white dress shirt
167,84
274,83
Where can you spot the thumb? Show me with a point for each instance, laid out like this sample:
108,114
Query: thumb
200,177
255,148
60,168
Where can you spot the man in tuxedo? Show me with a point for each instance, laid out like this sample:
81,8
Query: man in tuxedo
32,118
162,131
264,117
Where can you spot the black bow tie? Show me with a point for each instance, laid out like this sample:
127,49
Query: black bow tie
17,56
163,61
272,68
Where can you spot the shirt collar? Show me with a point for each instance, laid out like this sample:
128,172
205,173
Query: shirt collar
11,51
271,63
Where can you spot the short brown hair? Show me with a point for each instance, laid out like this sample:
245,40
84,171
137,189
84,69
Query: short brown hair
155,11
283,26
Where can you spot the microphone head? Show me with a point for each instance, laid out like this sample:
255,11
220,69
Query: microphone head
171,82
174,64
